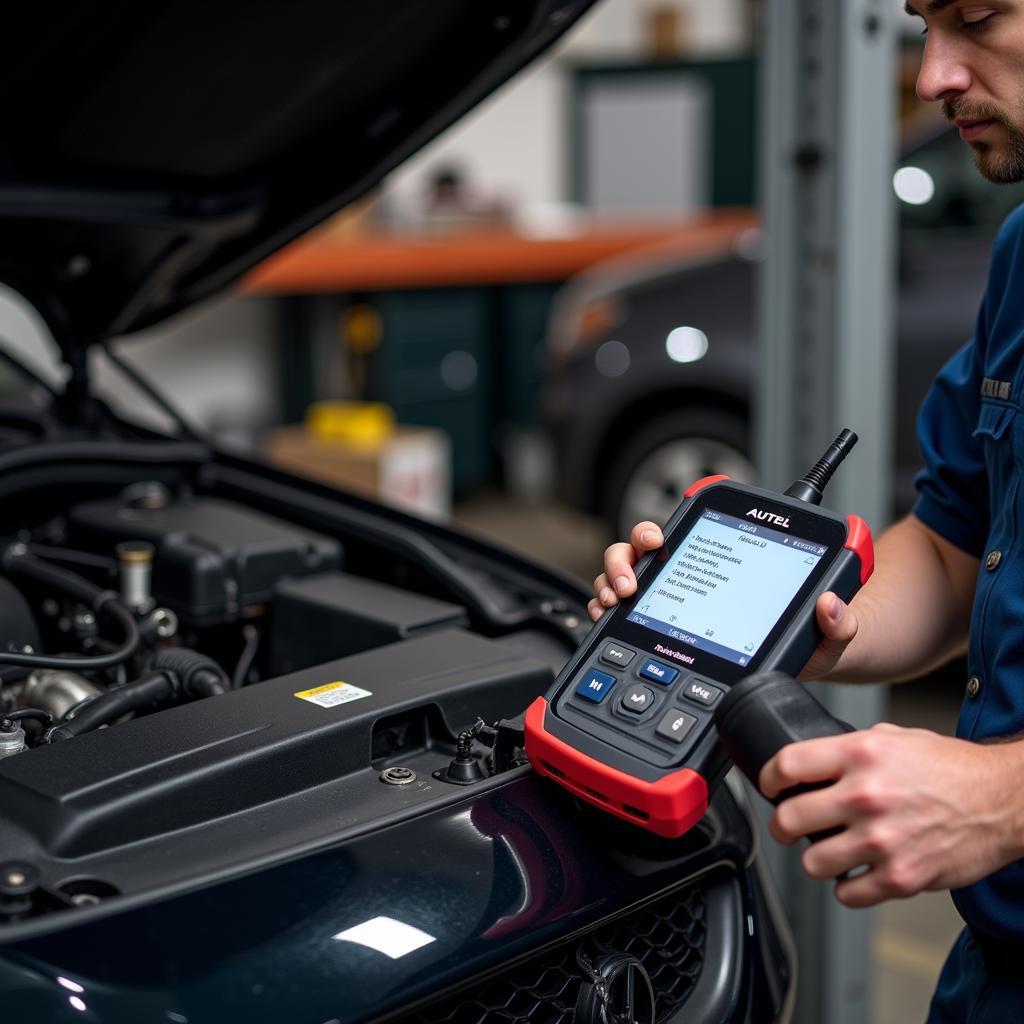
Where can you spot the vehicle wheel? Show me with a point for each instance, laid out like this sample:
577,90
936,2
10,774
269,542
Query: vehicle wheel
651,472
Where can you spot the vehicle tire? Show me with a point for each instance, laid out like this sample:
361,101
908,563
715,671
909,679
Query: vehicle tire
653,469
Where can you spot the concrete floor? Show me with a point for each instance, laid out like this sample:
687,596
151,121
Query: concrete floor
912,936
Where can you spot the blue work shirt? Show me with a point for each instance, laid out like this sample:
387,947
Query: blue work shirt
971,431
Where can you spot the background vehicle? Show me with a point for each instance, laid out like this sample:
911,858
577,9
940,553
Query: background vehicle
236,792
652,358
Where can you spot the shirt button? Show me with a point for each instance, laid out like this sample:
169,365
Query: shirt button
993,559
973,687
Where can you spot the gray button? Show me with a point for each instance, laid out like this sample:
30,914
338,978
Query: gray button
616,654
701,692
675,724
973,687
993,559
637,699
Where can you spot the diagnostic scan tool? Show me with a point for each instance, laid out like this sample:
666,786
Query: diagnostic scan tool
628,723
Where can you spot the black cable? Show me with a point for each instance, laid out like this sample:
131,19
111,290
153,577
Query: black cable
16,716
252,643
16,561
85,662
55,554
188,432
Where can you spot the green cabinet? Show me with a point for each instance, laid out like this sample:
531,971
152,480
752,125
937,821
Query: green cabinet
434,366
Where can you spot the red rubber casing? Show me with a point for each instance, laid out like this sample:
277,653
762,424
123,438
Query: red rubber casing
858,540
669,807
704,481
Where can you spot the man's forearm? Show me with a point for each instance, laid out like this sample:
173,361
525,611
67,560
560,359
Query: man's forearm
914,612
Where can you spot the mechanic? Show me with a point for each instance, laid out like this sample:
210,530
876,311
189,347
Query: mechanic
919,810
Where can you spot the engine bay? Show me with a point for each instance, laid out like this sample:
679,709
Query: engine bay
192,683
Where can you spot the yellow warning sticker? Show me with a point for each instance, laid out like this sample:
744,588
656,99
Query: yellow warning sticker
330,695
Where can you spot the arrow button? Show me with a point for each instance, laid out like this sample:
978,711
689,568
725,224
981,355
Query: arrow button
637,699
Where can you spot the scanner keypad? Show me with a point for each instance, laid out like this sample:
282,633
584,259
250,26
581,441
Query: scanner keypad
665,706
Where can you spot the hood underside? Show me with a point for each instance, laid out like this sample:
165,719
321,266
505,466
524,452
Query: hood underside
152,153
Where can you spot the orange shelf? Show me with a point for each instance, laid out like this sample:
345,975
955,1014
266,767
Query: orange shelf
319,263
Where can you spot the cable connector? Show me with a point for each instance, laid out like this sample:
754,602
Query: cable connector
465,767
810,487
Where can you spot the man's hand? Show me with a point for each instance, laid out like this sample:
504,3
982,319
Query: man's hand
919,810
838,623
618,579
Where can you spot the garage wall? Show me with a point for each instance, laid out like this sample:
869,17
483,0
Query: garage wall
514,145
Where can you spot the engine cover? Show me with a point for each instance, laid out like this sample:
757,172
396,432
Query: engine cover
201,787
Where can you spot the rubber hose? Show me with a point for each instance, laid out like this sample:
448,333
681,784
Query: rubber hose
109,706
200,676
37,713
16,561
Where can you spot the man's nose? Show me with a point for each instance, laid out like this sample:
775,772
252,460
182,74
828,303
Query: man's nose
943,72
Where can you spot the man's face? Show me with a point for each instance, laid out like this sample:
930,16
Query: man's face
974,65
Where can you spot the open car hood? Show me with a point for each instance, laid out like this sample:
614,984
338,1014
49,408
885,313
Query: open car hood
152,153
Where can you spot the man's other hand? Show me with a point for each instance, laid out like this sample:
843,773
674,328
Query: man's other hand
618,579
918,810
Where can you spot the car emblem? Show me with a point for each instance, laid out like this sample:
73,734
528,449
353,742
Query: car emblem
617,991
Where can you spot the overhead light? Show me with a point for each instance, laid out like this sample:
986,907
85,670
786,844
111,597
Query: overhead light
612,359
78,1004
72,986
686,344
459,370
913,185
386,935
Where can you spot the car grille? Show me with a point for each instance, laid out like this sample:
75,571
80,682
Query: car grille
666,936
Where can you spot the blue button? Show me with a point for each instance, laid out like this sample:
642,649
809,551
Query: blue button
594,686
659,673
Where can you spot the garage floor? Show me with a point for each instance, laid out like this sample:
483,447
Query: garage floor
912,936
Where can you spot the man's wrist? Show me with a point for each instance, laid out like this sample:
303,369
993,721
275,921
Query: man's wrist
1008,802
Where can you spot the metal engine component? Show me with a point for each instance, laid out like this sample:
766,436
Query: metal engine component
147,494
163,622
12,738
135,563
56,690
398,776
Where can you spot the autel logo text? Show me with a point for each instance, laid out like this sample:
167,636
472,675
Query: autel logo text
769,517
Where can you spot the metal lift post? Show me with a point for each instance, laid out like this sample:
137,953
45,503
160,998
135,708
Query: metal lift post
826,355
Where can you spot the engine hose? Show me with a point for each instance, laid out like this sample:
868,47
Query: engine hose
109,706
17,562
37,713
200,676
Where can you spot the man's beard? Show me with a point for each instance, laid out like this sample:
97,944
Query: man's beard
1002,168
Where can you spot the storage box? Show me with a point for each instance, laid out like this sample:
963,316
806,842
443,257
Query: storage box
410,469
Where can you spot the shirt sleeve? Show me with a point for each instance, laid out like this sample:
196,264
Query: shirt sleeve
953,486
